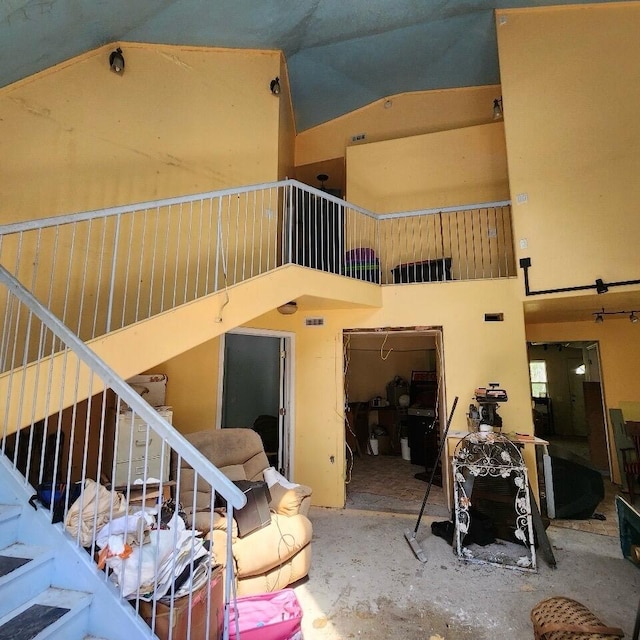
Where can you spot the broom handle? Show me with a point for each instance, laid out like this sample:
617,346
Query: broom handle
443,442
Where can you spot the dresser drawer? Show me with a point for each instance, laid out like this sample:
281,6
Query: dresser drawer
125,475
135,439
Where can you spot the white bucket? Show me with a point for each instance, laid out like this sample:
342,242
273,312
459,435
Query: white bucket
404,447
373,443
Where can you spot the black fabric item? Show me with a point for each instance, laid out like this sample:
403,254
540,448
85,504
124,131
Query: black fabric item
481,529
443,530
53,496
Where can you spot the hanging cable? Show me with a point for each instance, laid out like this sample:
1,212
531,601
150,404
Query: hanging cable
382,356
346,357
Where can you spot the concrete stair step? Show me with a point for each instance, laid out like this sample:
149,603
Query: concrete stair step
53,613
25,571
9,523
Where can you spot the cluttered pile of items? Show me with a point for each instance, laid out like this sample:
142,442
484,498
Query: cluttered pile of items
148,551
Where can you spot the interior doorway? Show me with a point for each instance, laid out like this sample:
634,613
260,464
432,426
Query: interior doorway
255,389
394,389
567,399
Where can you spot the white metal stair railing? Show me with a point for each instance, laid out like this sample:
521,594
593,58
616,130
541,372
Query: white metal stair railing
77,448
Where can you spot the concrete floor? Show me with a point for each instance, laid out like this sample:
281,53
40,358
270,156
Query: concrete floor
365,582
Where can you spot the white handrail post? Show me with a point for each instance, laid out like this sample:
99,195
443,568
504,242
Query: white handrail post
112,285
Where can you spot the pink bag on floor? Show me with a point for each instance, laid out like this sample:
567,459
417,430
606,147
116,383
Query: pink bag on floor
268,616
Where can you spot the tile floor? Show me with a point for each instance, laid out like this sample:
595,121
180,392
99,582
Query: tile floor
387,483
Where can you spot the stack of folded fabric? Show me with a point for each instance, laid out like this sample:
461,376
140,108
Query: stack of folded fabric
361,263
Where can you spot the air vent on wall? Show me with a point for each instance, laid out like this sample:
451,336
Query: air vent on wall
494,317
314,322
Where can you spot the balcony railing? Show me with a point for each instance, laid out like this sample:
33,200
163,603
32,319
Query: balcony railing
102,270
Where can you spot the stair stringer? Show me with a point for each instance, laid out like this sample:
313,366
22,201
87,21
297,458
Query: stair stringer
32,391
109,615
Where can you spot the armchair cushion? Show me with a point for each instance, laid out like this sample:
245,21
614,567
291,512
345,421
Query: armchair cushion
284,538
287,497
287,501
234,472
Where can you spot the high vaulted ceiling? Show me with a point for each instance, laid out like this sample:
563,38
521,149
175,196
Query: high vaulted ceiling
341,54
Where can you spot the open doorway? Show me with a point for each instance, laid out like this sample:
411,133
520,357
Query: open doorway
567,399
394,388
254,390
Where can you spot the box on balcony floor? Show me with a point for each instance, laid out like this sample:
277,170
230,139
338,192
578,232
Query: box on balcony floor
425,271
180,625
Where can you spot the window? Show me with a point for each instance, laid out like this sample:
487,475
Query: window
538,374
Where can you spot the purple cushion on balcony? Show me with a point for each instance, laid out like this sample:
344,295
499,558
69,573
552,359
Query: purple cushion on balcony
361,254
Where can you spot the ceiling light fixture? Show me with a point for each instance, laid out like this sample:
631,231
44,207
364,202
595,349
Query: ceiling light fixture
275,86
287,309
633,318
116,61
497,108
322,178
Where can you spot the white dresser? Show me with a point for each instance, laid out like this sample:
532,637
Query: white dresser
132,446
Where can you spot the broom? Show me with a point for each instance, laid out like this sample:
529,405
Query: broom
411,535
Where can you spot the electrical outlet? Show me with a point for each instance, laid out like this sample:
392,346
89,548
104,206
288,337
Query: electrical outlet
521,198
358,137
493,233
524,243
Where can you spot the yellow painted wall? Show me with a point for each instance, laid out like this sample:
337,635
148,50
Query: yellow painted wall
475,353
179,121
286,126
570,79
192,386
410,114
619,344
440,169
375,360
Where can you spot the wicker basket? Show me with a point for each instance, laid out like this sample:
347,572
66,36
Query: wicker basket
561,618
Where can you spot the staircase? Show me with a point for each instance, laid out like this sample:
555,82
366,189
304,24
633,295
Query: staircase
48,590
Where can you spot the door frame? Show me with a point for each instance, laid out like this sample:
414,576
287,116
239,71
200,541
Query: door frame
437,332
287,421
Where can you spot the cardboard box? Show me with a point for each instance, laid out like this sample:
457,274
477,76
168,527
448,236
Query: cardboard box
198,613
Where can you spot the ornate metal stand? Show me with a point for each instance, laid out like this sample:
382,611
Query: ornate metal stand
493,455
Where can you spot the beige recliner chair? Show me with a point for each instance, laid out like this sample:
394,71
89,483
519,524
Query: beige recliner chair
267,559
